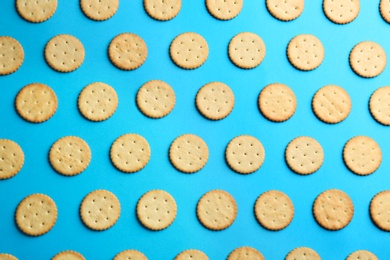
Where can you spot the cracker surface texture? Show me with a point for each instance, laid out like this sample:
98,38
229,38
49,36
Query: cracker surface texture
304,155
277,102
100,210
331,104
127,51
130,153
303,253
305,52
162,10
156,99
191,254
36,214
333,209
11,159
362,155
11,55
36,102
36,11
362,255
285,10
216,210
245,253
68,255
156,209
188,153
98,101
215,100
367,59
224,9
341,11
99,10
380,210
384,8
380,105
130,254
7,257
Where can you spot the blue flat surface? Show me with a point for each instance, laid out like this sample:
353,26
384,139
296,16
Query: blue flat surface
186,232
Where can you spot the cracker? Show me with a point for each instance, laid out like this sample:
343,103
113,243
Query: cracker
380,105
11,159
303,253
341,11
97,101
130,153
367,59
191,254
156,99
188,153
305,52
362,155
333,209
64,53
36,102
277,102
127,51
7,257
162,10
274,210
70,155
11,55
68,255
245,253
99,10
215,100
304,155
130,254
36,214
380,210
285,10
216,210
224,9
189,50
384,8
245,154
246,50
331,104
362,255
36,11
100,210
156,209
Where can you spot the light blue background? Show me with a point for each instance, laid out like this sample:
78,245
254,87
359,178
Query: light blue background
186,232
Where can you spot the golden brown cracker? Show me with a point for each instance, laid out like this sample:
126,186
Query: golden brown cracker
99,10
341,11
224,9
362,255
380,210
36,11
380,105
162,10
68,255
245,253
191,254
367,59
11,55
303,253
285,10
130,254
305,52
11,158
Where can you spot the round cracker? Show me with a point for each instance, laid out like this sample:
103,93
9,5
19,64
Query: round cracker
7,257
70,155
333,209
216,210
367,59
380,105
341,11
188,153
11,159
277,102
362,255
127,51
285,10
98,101
304,155
245,154
100,210
68,255
156,99
215,100
36,102
245,253
130,153
380,210
99,10
36,214
162,10
274,210
224,9
384,8
191,254
189,50
156,209
130,254
11,55
305,52
64,53
362,155
246,50
303,253
331,104
36,11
